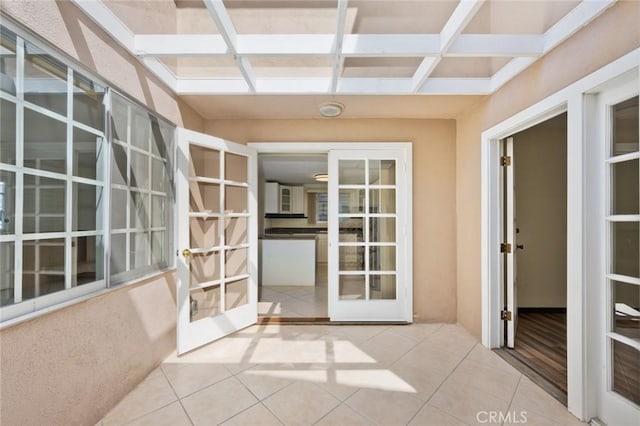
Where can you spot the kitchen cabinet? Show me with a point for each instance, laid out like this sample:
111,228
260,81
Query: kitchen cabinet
283,198
322,248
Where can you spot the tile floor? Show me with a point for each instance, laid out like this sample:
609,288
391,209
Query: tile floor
420,374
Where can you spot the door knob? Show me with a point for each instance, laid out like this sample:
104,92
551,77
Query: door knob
186,252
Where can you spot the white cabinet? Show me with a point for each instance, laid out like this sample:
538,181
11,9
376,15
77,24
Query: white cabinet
283,198
271,197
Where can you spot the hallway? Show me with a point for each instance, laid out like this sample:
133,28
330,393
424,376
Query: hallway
420,374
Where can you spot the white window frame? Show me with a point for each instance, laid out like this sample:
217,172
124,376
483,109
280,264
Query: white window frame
581,362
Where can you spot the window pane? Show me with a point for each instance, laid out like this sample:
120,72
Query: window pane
118,254
351,201
625,254
204,197
119,118
203,232
351,229
158,211
351,172
236,199
351,287
158,177
45,80
382,287
87,102
351,258
7,202
382,172
139,170
625,187
382,258
235,167
625,127
236,262
88,253
159,248
382,201
382,229
626,309
204,267
7,257
626,371
7,131
8,61
45,142
140,128
140,212
161,137
204,303
139,250
86,150
236,294
87,203
235,231
205,162
44,204
43,267
118,164
119,209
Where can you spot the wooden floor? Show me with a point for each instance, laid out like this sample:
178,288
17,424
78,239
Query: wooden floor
541,344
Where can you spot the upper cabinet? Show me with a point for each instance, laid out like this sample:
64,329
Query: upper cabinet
283,199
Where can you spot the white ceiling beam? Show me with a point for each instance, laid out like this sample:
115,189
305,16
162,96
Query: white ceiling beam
493,45
510,70
374,86
285,44
180,45
206,86
221,17
458,20
337,45
391,45
573,21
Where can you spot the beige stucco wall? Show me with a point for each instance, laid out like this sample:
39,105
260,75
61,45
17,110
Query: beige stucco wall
610,36
434,264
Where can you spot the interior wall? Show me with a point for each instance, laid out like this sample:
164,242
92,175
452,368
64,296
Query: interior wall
540,168
610,36
72,365
434,263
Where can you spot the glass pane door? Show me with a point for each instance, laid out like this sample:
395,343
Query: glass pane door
367,216
217,290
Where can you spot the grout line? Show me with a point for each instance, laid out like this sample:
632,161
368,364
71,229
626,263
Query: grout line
176,394
514,394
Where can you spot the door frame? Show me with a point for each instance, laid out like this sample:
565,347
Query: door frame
582,383
325,147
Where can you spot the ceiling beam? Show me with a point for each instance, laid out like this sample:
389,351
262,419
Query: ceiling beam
221,17
461,16
511,45
338,61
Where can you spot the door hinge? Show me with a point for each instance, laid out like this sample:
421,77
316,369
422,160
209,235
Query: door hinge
505,315
505,160
505,248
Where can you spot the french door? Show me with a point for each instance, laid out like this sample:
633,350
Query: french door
620,287
217,238
369,235
510,247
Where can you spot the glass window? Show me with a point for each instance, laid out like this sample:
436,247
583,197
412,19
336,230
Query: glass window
7,132
8,61
45,80
87,101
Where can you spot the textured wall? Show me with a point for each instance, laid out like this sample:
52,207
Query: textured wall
434,264
610,36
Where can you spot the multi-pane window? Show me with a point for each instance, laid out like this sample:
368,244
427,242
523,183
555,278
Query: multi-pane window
51,179
141,184
54,179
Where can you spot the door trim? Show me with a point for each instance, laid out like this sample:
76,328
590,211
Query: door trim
582,385
325,147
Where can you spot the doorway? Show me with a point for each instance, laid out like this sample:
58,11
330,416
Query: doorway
535,278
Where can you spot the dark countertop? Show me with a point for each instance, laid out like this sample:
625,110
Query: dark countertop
289,237
285,231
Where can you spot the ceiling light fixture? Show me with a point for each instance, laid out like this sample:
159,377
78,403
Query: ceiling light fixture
321,177
331,109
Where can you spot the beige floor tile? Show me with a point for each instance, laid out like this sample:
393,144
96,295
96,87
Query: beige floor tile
465,402
258,415
301,403
218,402
417,332
171,415
489,380
262,382
531,397
386,347
431,416
339,391
452,338
343,415
273,351
489,358
423,378
152,393
187,378
357,333
431,357
384,407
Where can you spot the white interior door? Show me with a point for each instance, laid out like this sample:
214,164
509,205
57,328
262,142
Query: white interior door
510,238
217,238
370,235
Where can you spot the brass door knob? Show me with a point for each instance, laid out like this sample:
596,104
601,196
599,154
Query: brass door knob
186,253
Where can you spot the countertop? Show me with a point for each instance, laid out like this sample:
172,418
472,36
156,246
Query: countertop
289,237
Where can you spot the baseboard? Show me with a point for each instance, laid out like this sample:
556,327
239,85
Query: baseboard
542,310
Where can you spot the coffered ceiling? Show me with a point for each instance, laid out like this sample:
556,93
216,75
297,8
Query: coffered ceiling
338,47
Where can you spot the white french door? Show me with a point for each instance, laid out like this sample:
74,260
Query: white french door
511,244
620,286
370,235
217,238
